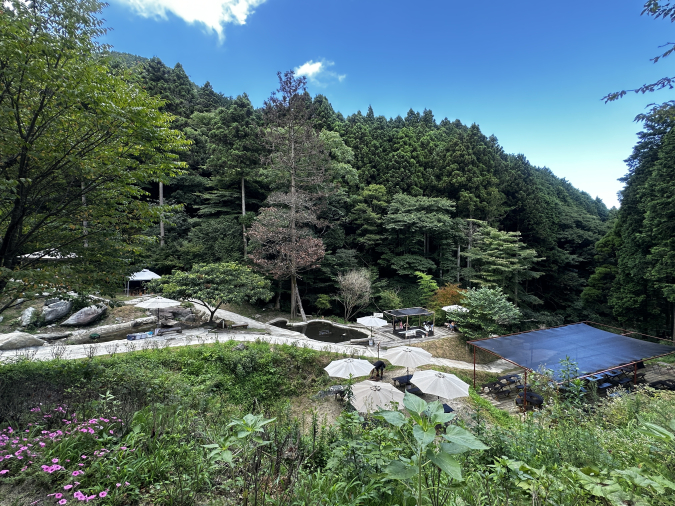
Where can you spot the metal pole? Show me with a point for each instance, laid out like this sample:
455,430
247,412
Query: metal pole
525,394
635,374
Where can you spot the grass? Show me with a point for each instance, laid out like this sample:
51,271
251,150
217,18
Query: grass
142,420
454,348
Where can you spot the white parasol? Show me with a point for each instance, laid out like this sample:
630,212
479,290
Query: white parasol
158,303
407,356
441,384
369,396
349,366
371,321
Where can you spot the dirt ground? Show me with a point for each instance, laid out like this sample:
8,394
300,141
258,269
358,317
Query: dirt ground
454,348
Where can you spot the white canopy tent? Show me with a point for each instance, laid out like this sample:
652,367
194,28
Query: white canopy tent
140,276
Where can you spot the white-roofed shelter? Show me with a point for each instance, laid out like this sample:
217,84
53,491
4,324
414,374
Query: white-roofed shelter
137,279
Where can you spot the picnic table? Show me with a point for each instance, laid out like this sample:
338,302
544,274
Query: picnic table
497,388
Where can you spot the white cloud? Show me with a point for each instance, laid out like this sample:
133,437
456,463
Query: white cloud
317,72
213,14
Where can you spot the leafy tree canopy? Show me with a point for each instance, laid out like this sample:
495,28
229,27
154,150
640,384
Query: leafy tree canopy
212,285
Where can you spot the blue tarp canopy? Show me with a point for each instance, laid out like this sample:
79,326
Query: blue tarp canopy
592,349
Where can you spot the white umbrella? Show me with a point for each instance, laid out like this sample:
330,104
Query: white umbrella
371,321
157,303
407,356
456,308
343,368
441,384
369,396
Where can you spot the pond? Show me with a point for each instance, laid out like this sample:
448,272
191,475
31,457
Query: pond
324,331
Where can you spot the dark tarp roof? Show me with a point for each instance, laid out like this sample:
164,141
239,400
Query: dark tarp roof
592,349
411,311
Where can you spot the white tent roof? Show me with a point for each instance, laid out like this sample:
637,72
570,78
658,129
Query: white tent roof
144,275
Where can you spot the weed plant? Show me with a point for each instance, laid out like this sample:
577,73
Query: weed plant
213,425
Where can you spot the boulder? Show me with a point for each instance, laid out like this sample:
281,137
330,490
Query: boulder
28,316
53,337
86,315
18,340
51,301
56,310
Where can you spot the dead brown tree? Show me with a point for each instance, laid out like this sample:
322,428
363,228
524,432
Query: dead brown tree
283,232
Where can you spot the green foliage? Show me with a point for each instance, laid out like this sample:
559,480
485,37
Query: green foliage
427,287
74,176
212,285
502,260
489,313
424,449
389,299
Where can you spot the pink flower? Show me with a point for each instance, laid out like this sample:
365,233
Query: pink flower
5,471
67,487
126,483
119,485
55,461
102,494
84,456
79,496
58,496
63,501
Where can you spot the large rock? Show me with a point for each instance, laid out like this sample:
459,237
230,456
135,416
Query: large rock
53,337
18,340
28,316
86,315
57,310
51,301
82,336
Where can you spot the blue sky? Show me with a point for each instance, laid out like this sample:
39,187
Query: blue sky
530,72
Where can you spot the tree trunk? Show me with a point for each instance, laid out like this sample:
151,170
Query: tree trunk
84,222
277,302
459,265
293,289
302,310
161,219
243,213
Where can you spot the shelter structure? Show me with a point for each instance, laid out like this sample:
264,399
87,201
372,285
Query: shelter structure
136,280
401,321
594,350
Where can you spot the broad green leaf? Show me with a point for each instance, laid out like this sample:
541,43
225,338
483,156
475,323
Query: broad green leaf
433,408
657,431
442,418
213,445
635,476
414,404
454,448
424,437
463,437
663,482
395,418
397,470
447,464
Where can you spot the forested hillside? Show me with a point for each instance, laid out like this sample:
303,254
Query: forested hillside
635,279
415,195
